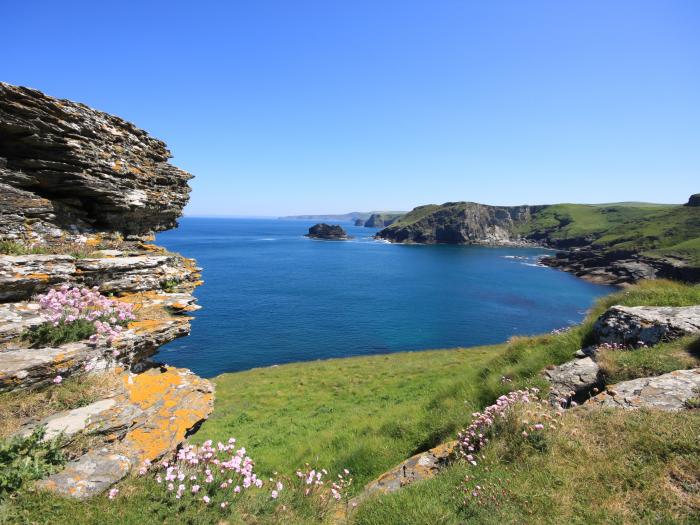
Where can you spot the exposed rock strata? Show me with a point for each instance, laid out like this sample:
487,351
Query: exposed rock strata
65,168
669,392
84,189
630,326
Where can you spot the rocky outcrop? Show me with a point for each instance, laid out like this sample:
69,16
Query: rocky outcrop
460,223
66,168
647,325
327,232
80,193
620,268
573,381
148,415
673,391
359,222
694,200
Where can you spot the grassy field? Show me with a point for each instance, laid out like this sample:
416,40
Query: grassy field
367,414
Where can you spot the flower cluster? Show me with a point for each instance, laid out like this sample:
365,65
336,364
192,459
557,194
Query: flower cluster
69,305
472,439
210,472
313,482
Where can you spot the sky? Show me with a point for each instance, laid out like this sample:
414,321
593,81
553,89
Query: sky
293,107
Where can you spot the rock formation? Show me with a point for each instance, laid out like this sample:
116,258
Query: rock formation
359,222
694,200
81,193
672,392
573,380
327,232
647,325
65,167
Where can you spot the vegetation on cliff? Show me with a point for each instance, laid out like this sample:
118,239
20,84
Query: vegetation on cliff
664,238
367,414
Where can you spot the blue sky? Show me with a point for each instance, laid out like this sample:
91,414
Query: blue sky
283,107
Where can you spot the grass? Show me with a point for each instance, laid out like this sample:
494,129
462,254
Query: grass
621,365
599,467
370,413
46,334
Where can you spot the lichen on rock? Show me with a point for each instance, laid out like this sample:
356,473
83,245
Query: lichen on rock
81,193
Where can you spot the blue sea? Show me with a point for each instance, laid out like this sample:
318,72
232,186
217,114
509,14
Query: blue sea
273,296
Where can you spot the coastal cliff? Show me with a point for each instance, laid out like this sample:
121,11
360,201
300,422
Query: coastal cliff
608,243
81,194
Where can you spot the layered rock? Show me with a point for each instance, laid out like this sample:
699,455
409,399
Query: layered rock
67,168
647,325
327,232
81,192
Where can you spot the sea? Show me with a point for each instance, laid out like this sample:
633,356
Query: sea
272,296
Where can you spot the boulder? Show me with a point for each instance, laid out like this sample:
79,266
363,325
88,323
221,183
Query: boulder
327,232
669,392
574,380
633,325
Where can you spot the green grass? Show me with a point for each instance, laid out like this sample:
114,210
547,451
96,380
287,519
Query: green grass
370,413
621,365
599,467
47,334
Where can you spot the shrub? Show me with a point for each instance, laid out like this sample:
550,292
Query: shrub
24,459
74,314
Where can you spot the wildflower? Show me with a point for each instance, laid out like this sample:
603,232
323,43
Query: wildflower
206,499
273,494
113,493
57,380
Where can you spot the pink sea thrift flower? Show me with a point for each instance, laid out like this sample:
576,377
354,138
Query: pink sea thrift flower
58,380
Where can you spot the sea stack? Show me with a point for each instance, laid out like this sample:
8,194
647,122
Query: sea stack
328,232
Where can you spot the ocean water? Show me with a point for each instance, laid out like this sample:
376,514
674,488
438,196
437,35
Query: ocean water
272,296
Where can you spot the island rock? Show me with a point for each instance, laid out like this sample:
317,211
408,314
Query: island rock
329,232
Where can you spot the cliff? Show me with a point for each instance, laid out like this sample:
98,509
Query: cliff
81,193
610,243
382,220
460,223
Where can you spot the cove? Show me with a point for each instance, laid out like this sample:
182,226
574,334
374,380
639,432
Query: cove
272,296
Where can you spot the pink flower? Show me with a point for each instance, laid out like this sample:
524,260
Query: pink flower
57,380
273,494
206,499
113,493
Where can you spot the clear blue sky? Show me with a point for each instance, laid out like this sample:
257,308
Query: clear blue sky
282,107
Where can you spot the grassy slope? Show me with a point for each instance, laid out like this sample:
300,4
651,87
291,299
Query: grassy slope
652,230
368,414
